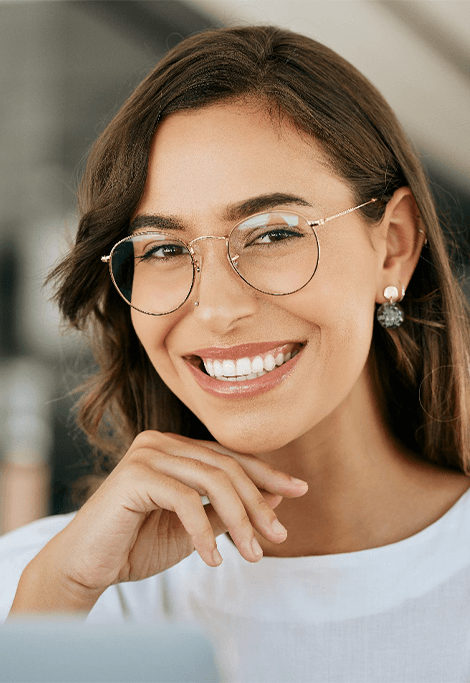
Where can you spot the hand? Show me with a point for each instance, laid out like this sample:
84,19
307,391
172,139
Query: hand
148,514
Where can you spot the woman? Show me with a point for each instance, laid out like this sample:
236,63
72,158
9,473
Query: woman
238,363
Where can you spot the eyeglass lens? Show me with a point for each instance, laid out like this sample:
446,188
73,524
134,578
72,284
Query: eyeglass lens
276,253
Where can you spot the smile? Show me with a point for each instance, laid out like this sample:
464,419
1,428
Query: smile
246,370
241,369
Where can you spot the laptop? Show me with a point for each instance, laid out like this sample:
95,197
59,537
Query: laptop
63,651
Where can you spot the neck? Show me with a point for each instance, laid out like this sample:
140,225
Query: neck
365,488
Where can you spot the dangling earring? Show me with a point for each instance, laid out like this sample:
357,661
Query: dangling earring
391,315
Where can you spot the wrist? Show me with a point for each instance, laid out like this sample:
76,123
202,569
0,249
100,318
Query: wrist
44,589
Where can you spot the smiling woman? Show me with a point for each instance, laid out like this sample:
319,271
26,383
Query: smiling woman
264,281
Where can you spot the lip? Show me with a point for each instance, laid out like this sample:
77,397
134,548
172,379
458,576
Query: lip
249,388
240,351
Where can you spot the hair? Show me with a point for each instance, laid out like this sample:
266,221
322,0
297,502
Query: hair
421,368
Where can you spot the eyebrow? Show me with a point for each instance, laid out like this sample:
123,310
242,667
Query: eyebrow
232,213
235,212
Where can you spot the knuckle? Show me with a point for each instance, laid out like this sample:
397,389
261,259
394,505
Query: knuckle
147,438
250,458
219,477
260,505
243,522
139,459
141,439
204,532
232,466
187,497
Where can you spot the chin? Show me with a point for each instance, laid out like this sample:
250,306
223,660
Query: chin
253,438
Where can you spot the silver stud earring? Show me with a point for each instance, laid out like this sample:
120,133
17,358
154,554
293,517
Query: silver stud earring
196,303
390,315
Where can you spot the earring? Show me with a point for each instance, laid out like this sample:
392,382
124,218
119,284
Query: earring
390,315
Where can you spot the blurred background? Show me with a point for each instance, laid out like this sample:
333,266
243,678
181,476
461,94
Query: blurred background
65,68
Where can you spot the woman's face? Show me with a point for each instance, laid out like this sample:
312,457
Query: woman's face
208,169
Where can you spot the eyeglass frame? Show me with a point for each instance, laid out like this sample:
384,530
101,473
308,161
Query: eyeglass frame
196,267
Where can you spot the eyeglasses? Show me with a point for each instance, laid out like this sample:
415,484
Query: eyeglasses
276,253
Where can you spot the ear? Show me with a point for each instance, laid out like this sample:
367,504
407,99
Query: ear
403,242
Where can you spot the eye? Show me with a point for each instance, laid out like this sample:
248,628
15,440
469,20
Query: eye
163,251
274,235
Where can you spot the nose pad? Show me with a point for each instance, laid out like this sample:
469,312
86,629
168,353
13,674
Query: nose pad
233,261
197,262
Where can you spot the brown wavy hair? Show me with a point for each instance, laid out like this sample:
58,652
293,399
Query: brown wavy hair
421,368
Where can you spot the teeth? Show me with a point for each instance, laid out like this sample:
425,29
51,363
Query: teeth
243,369
269,362
218,369
229,368
243,366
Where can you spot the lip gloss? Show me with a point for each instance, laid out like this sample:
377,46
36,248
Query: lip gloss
247,388
241,350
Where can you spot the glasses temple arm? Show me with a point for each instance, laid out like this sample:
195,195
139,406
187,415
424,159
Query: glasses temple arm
321,221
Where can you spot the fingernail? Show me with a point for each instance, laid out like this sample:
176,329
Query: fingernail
277,527
216,557
298,482
256,548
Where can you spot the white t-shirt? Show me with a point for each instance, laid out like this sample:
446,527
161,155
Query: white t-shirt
395,614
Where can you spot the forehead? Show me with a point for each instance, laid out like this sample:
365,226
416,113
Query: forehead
227,152
244,128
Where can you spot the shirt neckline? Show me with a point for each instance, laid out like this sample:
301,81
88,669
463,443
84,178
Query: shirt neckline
342,585
376,553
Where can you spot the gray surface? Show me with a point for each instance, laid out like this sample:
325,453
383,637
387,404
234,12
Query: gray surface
73,652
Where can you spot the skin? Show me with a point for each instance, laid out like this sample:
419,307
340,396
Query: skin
323,424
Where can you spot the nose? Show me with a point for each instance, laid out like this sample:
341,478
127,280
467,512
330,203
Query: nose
223,297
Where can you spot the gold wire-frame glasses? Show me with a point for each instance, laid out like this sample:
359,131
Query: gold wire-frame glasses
274,252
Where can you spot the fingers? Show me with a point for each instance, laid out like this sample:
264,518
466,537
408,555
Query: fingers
243,491
188,506
236,500
248,475
263,475
271,499
219,527
167,493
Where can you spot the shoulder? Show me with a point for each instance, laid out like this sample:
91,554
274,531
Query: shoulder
17,549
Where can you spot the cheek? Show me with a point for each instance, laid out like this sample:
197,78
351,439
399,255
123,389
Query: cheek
338,307
340,324
340,299
153,332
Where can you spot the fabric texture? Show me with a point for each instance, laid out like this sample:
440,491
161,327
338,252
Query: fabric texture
399,613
